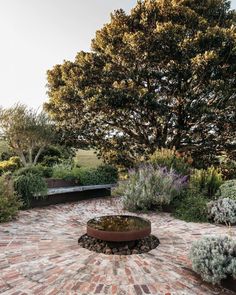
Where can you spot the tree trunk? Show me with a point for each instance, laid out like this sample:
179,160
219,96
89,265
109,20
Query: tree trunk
22,157
37,155
30,156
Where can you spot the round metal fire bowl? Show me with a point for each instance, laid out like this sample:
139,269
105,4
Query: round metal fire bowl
119,236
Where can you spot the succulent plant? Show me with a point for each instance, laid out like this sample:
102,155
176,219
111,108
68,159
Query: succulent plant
214,258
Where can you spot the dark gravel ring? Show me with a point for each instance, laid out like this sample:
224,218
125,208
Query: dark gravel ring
116,248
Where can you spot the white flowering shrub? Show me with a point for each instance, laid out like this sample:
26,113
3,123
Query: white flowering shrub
222,211
151,188
228,189
214,258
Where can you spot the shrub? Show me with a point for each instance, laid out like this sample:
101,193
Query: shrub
172,160
88,176
108,174
228,189
206,181
10,165
30,185
151,188
103,174
64,171
190,206
44,170
27,170
9,202
222,211
50,156
37,170
50,161
214,258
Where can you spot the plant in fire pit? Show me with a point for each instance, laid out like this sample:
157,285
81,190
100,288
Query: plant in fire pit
151,188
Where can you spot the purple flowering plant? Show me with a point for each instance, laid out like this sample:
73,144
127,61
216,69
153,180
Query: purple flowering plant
151,187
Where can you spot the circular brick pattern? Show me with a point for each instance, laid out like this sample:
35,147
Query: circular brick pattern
39,254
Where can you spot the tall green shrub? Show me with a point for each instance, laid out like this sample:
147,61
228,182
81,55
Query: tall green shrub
30,185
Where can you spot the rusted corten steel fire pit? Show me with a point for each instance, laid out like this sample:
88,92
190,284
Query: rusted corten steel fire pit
119,235
118,228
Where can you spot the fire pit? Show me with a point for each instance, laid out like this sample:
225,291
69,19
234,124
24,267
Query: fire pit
118,228
119,234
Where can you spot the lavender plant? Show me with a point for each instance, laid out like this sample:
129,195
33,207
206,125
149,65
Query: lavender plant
222,211
214,258
151,188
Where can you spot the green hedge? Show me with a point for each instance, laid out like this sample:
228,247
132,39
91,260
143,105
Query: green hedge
103,174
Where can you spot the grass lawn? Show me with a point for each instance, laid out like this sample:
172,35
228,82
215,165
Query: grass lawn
87,158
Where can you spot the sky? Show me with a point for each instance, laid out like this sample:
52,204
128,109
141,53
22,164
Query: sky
38,34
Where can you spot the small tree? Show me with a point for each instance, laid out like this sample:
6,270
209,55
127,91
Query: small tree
26,131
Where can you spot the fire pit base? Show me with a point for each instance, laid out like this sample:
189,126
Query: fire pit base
119,248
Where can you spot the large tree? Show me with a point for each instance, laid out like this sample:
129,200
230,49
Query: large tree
161,76
26,131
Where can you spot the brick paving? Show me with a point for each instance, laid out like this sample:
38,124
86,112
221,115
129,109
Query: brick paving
39,254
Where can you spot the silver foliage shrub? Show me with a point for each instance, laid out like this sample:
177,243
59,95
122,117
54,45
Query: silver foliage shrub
228,189
151,188
214,258
222,211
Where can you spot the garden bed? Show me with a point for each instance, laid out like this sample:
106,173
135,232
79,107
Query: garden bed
72,194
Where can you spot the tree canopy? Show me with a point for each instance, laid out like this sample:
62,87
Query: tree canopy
161,76
26,131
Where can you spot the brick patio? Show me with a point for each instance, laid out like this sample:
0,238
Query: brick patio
39,254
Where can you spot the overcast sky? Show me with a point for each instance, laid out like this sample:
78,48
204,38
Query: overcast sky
37,34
